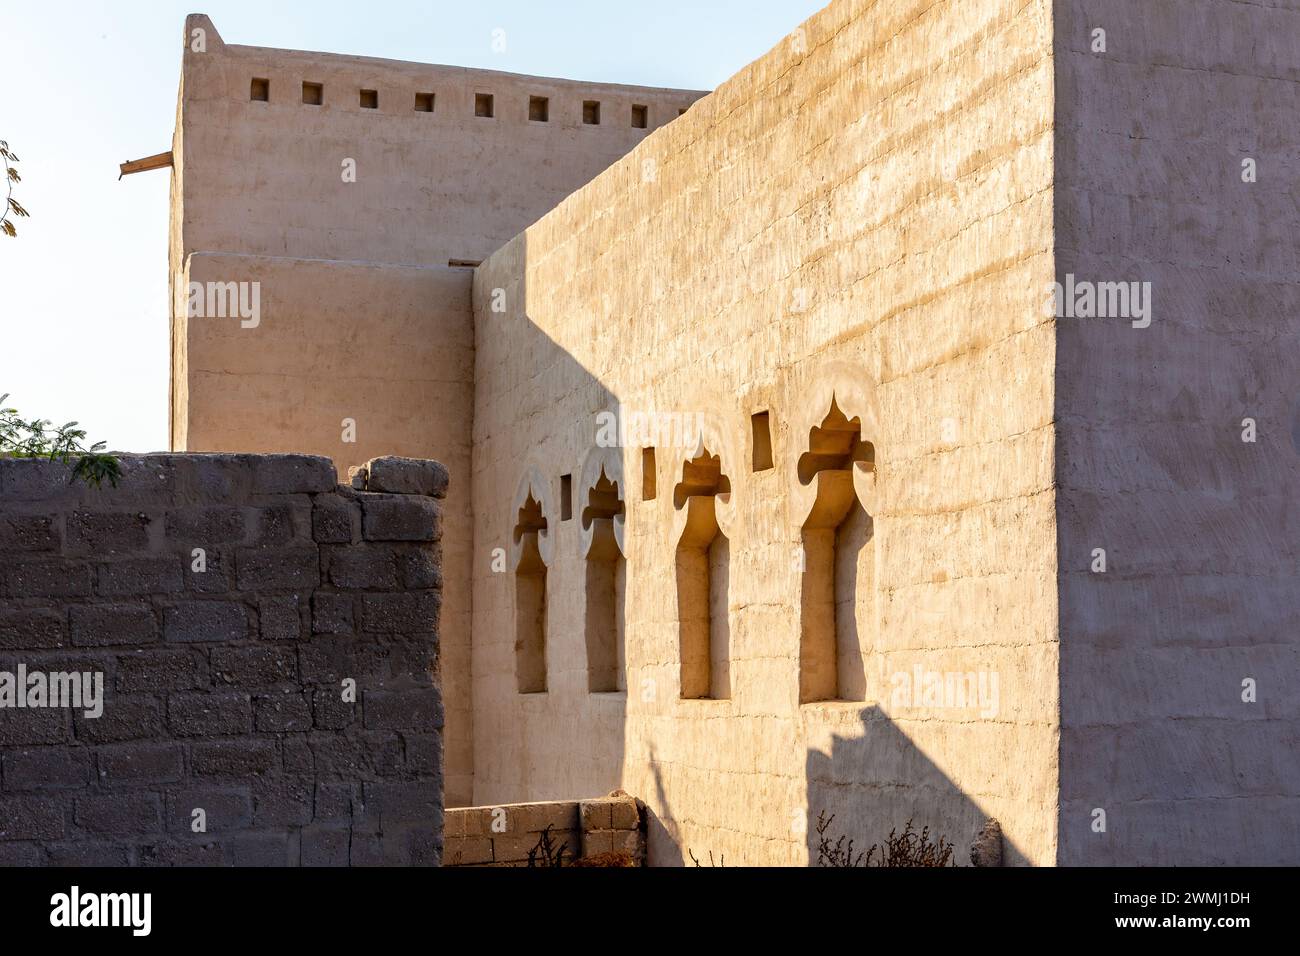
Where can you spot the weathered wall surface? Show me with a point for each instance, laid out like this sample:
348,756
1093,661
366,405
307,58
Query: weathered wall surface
361,316
265,178
865,212
1199,527
222,683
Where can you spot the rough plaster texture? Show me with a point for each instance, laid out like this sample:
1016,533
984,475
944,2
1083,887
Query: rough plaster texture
871,214
1200,528
815,228
361,316
222,685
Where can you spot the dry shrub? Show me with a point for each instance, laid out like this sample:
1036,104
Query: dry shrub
610,858
546,853
722,861
908,849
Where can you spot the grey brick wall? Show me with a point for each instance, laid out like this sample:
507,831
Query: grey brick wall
223,683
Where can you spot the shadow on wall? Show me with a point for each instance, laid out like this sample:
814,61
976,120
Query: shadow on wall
882,780
558,687
661,829
559,691
871,785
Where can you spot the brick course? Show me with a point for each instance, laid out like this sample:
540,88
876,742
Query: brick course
222,687
504,835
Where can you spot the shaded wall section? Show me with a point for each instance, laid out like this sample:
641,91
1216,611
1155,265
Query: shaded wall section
216,607
1198,523
861,220
351,360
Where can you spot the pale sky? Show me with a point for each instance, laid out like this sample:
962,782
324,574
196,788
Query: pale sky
88,85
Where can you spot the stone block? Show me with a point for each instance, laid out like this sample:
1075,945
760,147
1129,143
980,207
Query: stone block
124,718
467,851
362,567
400,518
157,670
46,768
282,713
625,814
200,621
126,813
36,629
47,578
280,618
336,800
292,474
335,520
278,569
225,809
102,533
417,710
331,712
31,818
140,764
407,476
596,814
410,613
419,568
251,667
104,625
282,523
89,853
29,533
140,576
200,715
261,849
283,802
236,759
398,801
326,845
205,525
332,614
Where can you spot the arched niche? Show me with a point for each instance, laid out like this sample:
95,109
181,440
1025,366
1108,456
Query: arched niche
834,482
531,553
701,498
603,513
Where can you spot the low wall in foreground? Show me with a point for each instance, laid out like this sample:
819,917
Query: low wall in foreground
586,829
226,659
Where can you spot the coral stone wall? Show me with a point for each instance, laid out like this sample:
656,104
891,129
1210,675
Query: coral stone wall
267,643
861,220
1179,437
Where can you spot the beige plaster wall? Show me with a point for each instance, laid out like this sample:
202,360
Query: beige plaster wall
1200,528
362,317
865,212
265,178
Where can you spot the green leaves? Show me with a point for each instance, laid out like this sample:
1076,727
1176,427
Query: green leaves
39,438
94,468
